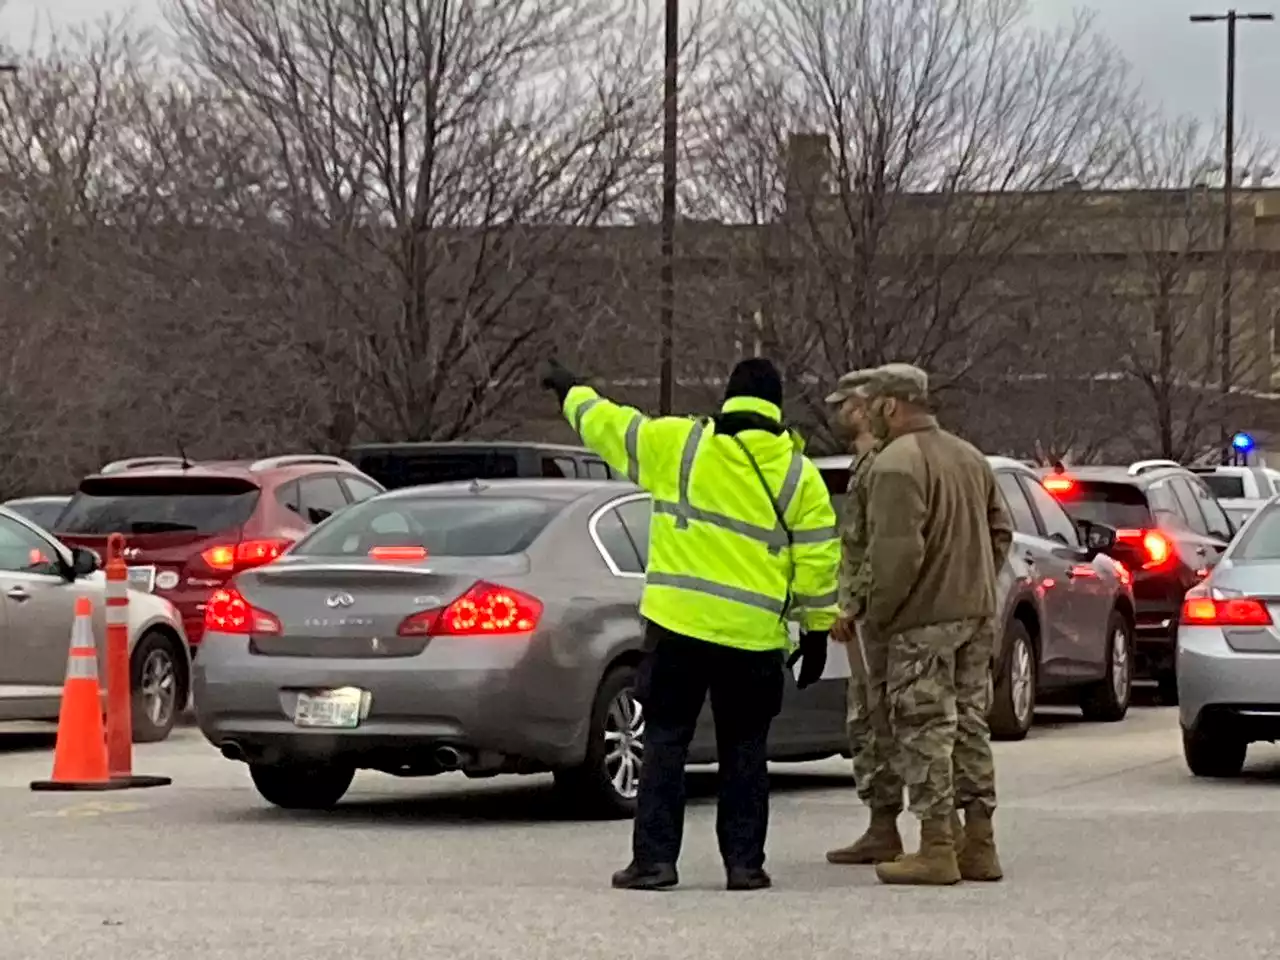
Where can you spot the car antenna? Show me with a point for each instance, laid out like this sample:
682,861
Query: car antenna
186,464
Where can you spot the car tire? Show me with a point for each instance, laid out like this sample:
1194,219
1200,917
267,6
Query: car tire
295,786
605,784
1107,701
1167,686
158,678
1013,705
1211,753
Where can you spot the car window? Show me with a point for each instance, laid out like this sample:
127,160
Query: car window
1216,520
465,526
25,551
359,489
597,470
410,468
287,496
321,497
43,513
617,543
1191,514
635,516
1225,485
1057,525
1165,507
1024,521
1261,541
159,504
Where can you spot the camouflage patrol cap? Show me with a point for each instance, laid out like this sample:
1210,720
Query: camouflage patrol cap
850,385
900,380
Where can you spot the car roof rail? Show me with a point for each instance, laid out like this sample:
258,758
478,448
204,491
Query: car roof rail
299,460
138,463
1142,466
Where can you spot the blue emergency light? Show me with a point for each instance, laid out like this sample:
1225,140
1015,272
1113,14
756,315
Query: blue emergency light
1242,442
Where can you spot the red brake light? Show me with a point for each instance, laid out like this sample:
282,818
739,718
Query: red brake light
1235,612
243,555
226,611
1058,485
1157,547
485,610
403,554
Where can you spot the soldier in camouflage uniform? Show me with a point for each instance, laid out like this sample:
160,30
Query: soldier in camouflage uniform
937,535
870,737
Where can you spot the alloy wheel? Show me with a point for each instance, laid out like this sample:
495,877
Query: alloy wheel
1021,681
1120,684
158,689
624,736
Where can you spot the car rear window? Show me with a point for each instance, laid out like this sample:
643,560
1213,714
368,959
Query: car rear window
395,469
42,513
446,526
1224,486
1262,540
1117,505
170,504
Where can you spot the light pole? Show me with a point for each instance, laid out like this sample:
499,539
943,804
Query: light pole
670,119
1231,17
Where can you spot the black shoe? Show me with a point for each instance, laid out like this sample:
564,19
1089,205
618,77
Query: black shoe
748,878
659,876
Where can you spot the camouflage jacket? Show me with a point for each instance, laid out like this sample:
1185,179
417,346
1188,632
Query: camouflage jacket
855,572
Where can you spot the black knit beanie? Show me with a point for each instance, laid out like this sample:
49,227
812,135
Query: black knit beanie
755,377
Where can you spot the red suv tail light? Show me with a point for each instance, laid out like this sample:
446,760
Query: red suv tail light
485,610
227,611
230,557
1154,545
1233,612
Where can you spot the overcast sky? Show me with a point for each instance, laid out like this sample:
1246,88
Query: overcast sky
1179,64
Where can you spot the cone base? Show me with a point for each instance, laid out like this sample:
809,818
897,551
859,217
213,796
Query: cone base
78,786
140,780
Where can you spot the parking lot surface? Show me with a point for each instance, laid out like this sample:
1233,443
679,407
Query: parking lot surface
1111,850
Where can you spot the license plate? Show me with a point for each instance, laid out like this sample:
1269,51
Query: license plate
340,709
142,578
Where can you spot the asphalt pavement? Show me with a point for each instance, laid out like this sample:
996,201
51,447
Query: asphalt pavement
1111,850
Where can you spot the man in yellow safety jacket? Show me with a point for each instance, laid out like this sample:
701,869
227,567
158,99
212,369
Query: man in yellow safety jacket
743,539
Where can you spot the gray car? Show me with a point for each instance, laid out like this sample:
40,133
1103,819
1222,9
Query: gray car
1229,652
1066,610
42,511
40,581
489,627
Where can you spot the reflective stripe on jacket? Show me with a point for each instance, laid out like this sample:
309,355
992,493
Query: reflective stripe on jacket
721,567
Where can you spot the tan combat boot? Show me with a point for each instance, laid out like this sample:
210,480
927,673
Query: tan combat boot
879,844
979,860
933,865
957,834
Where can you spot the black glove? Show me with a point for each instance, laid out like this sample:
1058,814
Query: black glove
812,654
559,379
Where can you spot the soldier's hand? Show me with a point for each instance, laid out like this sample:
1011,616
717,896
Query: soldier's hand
845,630
812,655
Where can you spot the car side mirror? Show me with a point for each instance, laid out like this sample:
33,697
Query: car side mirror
83,562
1096,537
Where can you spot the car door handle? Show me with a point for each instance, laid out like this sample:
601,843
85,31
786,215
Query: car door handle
17,593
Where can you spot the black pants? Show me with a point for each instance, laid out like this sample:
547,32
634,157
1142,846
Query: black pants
746,694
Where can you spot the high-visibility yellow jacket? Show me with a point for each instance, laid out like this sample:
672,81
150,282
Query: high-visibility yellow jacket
721,566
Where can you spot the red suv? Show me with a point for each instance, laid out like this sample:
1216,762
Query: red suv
190,527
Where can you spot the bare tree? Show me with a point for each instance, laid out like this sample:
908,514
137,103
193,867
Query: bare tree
945,130
433,166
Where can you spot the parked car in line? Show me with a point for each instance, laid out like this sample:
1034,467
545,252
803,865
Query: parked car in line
398,465
40,581
1066,610
1239,488
190,527
1170,531
488,627
1229,652
43,511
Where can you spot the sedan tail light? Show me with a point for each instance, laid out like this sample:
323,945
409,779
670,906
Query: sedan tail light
230,557
1156,548
227,611
485,610
1230,612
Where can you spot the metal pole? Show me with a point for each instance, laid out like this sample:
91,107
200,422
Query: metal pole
670,116
1231,17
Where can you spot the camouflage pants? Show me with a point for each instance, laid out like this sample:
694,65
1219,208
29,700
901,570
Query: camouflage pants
871,740
939,689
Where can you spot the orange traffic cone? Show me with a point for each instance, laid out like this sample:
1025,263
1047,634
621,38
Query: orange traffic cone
80,757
